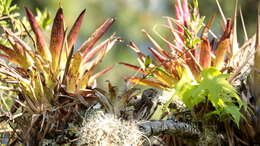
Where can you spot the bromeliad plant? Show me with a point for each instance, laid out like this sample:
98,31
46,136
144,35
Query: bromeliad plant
52,81
193,67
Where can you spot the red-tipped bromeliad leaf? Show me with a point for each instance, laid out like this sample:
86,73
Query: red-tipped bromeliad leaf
57,38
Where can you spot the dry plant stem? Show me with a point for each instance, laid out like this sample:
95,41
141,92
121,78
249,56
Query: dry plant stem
255,75
170,127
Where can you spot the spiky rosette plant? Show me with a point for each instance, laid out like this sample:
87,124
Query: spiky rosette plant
53,82
195,69
188,48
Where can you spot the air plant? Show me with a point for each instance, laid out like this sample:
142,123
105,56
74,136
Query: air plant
191,59
52,81
185,49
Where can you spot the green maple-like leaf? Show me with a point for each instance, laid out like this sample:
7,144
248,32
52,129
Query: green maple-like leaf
216,89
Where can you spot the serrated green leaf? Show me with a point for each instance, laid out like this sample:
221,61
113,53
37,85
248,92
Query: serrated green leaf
234,112
213,88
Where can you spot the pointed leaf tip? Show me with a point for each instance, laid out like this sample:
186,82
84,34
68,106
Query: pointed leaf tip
112,20
87,45
72,37
136,68
40,41
57,37
97,75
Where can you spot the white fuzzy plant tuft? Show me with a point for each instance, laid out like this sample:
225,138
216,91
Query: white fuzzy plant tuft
101,129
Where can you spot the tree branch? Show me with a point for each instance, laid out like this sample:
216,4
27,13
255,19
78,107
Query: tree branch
170,127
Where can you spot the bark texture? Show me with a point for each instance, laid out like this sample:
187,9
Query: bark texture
169,127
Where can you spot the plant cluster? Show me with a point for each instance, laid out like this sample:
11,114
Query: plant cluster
191,66
55,87
53,79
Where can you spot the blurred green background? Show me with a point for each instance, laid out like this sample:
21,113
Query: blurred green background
132,16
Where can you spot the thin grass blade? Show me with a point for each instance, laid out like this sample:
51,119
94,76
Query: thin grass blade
234,43
157,46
